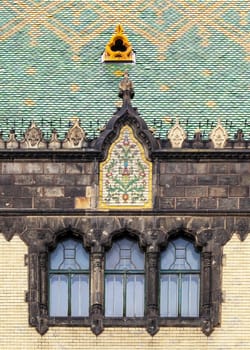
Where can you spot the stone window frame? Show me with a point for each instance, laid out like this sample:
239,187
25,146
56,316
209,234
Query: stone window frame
151,242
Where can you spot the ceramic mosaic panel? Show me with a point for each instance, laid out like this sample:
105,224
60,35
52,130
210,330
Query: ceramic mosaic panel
126,175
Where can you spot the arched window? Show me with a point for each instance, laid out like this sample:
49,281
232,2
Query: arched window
69,280
180,280
124,280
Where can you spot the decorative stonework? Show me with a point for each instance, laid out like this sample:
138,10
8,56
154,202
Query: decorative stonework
75,137
33,138
177,135
54,143
126,175
12,141
118,48
219,136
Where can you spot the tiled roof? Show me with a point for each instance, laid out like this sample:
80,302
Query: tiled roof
192,62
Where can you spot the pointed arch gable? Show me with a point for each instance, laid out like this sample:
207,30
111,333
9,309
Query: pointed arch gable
126,175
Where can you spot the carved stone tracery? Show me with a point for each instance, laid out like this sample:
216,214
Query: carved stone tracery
152,240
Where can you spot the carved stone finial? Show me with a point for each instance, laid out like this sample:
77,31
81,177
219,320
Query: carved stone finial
2,144
33,138
12,141
219,135
54,143
75,137
118,48
177,135
126,89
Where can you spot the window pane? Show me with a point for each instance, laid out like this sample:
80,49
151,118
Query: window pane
69,254
79,295
125,254
190,295
114,295
56,257
135,296
169,296
58,295
180,255
193,257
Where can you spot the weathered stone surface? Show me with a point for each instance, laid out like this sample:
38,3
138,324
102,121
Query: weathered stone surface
197,168
74,191
44,203
173,191
6,180
228,203
74,168
218,168
228,179
54,168
218,191
207,203
185,203
54,191
245,179
167,203
196,191
23,179
22,203
176,168
245,203
64,202
238,191
185,180
207,180
239,168
167,180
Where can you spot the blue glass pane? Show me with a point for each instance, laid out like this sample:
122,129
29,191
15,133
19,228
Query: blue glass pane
169,296
114,296
69,255
180,255
193,257
168,257
58,295
190,295
56,257
135,296
125,254
79,295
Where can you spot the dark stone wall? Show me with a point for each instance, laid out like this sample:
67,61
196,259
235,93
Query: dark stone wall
44,185
206,185
178,185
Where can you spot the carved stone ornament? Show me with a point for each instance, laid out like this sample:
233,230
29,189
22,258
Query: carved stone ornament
54,143
219,136
177,135
75,137
33,138
12,141
118,48
152,240
2,144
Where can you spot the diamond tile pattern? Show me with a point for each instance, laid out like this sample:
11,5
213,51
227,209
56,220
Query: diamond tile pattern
192,62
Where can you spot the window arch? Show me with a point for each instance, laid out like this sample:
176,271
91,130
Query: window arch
124,280
69,280
180,279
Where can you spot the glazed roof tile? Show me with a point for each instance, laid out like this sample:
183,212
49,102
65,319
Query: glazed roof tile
192,62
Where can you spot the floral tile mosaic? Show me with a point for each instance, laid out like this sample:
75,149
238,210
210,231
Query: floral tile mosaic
126,175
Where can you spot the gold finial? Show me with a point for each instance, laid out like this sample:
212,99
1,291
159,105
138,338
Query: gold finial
118,48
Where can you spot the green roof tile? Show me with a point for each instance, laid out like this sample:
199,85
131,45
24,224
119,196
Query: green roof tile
50,68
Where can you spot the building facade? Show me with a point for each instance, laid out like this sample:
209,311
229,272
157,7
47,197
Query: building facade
130,231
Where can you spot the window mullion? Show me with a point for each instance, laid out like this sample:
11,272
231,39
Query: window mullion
179,294
69,293
125,281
